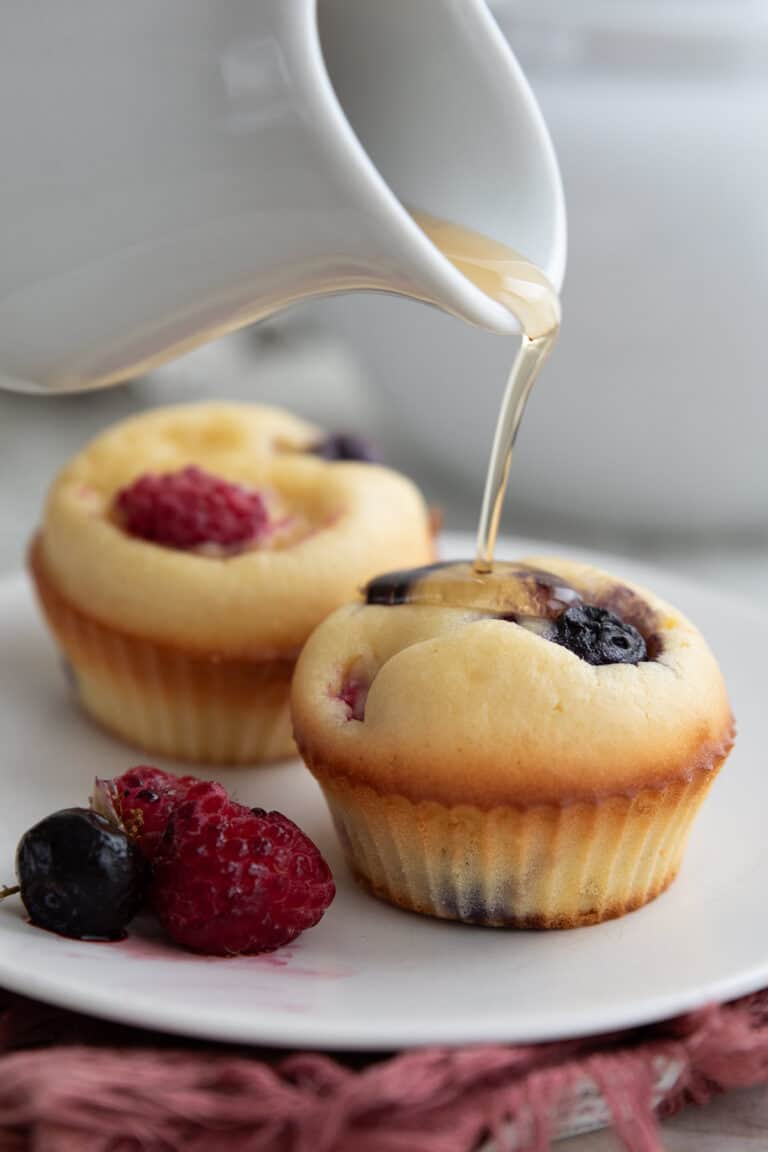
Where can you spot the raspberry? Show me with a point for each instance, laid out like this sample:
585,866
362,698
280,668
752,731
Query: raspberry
231,880
141,801
189,508
354,693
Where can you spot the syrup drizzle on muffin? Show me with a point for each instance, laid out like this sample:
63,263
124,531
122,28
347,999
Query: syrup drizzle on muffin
523,595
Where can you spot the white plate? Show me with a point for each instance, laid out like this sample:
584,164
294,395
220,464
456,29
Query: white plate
370,976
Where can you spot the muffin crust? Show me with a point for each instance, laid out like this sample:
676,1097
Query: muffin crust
348,520
462,709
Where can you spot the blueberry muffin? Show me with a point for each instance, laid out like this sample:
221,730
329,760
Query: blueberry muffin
186,554
526,748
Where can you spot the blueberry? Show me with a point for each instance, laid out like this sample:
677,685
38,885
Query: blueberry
80,875
598,637
346,446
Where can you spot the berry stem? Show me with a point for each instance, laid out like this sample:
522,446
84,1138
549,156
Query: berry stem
5,890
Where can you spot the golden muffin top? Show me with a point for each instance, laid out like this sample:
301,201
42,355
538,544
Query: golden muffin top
333,525
471,700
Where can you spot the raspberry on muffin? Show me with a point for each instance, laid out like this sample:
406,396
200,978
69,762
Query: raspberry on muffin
186,554
526,748
192,509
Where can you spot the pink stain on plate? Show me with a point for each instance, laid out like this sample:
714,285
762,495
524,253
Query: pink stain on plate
283,959
151,946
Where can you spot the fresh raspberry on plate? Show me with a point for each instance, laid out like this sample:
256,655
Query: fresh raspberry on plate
231,880
191,508
141,801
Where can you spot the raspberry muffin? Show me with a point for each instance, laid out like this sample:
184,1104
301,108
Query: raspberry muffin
526,748
186,554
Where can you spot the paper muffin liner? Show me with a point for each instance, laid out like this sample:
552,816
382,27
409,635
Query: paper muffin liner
167,701
543,866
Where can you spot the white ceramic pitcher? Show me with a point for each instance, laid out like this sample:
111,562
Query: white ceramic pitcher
175,170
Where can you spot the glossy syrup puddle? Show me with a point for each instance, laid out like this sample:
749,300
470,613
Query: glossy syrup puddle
509,589
512,592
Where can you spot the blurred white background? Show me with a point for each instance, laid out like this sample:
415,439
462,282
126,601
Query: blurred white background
646,432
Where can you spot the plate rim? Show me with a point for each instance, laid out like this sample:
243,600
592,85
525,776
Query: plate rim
354,1039
156,1015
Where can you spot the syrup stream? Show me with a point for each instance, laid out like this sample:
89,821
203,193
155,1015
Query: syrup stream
520,286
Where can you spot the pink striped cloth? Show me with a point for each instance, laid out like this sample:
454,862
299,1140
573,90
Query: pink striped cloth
72,1084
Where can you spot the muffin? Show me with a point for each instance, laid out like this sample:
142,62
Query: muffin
527,748
186,554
